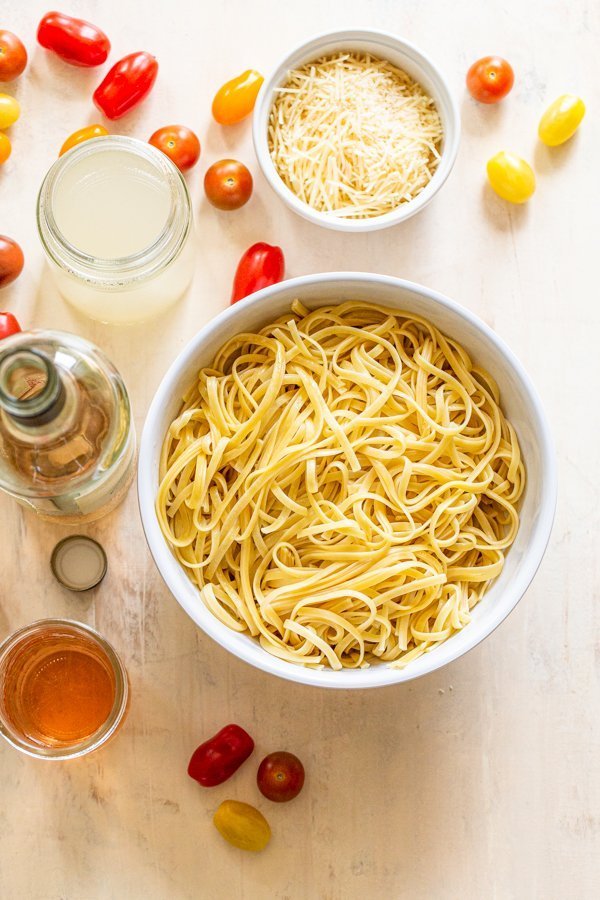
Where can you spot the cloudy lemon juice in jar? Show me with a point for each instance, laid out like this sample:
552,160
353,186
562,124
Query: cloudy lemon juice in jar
115,219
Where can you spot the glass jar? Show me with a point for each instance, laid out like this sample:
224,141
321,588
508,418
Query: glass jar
115,219
64,692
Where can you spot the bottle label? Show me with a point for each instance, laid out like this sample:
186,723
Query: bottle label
32,384
105,491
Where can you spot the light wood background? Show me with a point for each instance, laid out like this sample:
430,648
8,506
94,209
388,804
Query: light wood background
480,781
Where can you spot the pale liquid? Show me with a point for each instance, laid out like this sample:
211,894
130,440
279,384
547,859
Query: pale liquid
111,205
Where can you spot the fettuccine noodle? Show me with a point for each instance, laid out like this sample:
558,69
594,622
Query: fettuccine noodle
342,485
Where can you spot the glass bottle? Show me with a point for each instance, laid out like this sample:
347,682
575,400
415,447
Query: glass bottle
67,441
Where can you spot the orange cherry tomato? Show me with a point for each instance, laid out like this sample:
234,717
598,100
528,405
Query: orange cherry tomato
236,99
5,148
84,134
13,56
490,79
228,184
179,143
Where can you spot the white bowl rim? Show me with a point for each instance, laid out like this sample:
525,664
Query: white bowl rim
401,213
381,674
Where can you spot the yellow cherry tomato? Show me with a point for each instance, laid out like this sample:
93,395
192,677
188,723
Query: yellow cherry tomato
561,120
236,99
5,148
242,825
84,134
511,177
9,111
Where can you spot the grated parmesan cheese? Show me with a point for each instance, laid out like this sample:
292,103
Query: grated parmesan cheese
354,136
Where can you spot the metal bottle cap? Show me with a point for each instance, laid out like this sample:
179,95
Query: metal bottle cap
79,562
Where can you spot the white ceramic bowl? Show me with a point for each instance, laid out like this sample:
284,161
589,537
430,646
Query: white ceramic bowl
406,57
519,400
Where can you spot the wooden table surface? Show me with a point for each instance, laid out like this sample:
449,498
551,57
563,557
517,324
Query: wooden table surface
479,781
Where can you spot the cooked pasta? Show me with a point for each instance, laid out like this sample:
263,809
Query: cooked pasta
342,485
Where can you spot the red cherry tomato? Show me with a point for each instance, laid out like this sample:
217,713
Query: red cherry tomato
490,79
11,260
280,776
179,143
13,56
214,761
228,184
126,84
8,325
76,41
260,266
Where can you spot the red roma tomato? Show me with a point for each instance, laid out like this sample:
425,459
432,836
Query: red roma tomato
280,776
8,325
5,148
126,84
228,184
236,99
490,79
76,41
179,143
11,260
214,761
260,266
83,134
13,56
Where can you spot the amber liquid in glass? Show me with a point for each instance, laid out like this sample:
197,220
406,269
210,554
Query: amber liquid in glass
58,689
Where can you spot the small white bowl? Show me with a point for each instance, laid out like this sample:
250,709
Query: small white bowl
519,400
402,54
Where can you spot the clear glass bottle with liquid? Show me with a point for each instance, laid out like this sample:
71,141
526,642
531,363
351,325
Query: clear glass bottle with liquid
67,441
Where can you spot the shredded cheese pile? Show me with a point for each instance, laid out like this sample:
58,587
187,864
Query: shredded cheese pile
353,136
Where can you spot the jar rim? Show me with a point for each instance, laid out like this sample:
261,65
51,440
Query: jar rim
115,717
115,272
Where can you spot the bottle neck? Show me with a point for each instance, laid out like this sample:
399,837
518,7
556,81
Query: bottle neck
32,391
